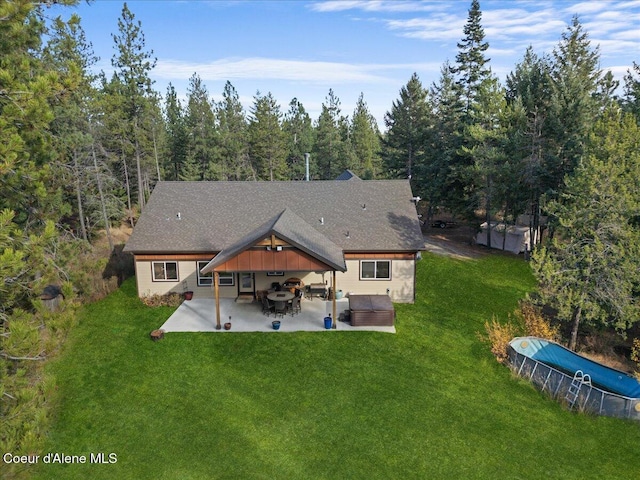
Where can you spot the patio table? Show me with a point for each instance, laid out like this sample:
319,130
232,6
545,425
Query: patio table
280,299
283,296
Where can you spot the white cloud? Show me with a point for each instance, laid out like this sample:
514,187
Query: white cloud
585,8
514,24
435,27
289,70
374,6
612,47
619,71
502,52
632,35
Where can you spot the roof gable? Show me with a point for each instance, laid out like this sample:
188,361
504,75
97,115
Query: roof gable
291,228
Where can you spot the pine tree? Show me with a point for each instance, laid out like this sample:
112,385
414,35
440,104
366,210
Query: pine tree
298,132
631,99
27,90
69,54
112,137
329,150
30,207
200,125
589,273
365,139
404,142
529,92
133,64
575,78
473,79
177,136
232,124
442,142
267,148
471,63
485,148
531,82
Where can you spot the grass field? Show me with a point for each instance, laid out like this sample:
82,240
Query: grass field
427,402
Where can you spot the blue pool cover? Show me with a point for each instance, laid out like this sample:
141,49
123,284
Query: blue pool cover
563,359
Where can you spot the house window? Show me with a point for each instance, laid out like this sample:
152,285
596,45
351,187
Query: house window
375,270
226,279
164,271
204,279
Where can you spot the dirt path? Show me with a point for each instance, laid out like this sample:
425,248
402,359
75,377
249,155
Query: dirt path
454,242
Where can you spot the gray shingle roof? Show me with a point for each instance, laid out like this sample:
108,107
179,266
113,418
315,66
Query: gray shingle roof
291,228
368,215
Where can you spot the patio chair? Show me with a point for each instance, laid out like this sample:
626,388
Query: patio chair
280,308
295,306
267,307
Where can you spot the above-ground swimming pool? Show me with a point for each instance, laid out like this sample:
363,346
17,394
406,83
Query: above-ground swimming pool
582,383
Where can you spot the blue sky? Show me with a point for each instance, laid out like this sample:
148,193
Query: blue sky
302,49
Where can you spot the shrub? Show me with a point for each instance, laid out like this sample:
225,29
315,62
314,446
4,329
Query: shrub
535,324
635,356
499,335
168,300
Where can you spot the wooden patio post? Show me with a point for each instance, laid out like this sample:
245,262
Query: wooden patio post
216,289
335,291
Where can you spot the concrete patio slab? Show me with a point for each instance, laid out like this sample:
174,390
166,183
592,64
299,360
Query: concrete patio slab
199,315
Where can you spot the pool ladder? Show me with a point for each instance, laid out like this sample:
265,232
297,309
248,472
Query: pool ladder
579,379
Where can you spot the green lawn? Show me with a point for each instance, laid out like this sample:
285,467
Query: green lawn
428,402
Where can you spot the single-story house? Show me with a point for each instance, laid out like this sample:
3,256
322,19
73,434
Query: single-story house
232,239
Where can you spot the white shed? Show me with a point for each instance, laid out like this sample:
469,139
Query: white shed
511,238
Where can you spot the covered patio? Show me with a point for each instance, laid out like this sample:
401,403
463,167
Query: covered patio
197,315
285,243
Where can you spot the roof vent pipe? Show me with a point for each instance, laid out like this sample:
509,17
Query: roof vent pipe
306,167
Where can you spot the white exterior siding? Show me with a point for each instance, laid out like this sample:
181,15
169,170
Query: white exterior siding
187,281
400,287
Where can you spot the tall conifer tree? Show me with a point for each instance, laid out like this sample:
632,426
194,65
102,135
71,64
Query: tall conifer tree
177,135
133,64
589,273
404,143
631,99
473,80
365,139
200,123
69,53
299,134
443,140
232,124
471,64
329,151
575,78
267,148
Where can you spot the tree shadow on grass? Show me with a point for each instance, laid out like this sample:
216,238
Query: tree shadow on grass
120,265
